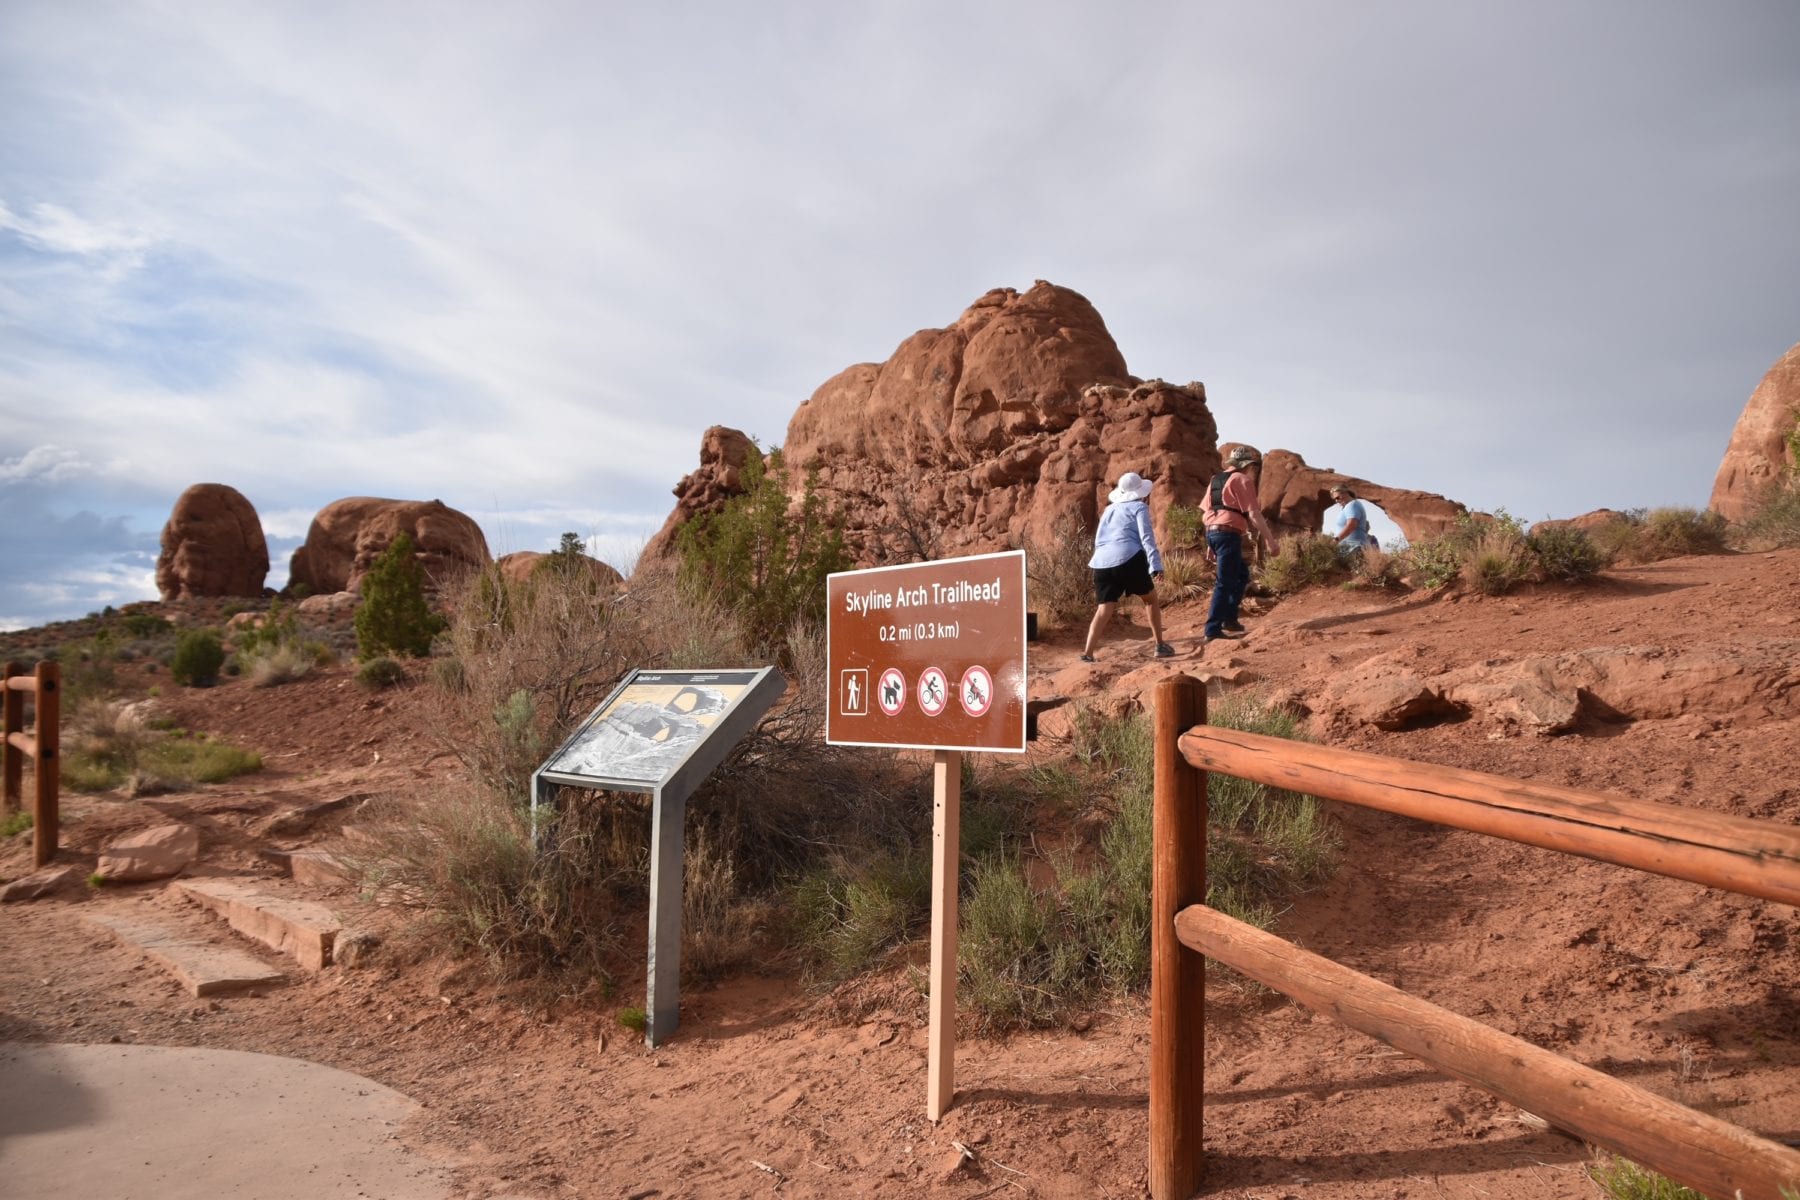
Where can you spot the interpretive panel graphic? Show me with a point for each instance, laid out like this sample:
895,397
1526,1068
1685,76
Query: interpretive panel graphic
647,728
944,643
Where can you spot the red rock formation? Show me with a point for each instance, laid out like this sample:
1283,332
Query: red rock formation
348,535
518,566
1009,425
723,453
1295,496
1586,521
1759,453
213,545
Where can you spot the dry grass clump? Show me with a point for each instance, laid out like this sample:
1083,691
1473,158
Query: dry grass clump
1185,577
1647,536
1775,522
1498,558
1062,584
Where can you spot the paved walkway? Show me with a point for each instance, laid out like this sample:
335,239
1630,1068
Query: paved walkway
171,1123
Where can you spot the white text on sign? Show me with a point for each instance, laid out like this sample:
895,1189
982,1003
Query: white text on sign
962,591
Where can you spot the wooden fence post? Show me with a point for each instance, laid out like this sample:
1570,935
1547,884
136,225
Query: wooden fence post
47,820
12,797
1177,976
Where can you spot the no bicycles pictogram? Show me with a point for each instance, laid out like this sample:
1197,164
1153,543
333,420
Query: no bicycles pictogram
934,691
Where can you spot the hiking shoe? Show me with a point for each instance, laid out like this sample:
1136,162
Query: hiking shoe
1087,658
1220,637
1164,650
1232,627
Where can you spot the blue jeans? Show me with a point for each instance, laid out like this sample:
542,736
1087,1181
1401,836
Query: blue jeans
1227,546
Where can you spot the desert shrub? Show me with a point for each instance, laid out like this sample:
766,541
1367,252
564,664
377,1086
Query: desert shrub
382,672
102,751
1033,951
1646,536
1497,558
1061,583
1374,568
394,617
280,663
1186,525
1185,577
1774,524
847,912
1304,560
1566,553
768,560
1675,532
197,659
15,824
144,625
1622,1179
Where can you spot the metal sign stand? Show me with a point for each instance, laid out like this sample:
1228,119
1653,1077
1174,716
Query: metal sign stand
669,784
946,842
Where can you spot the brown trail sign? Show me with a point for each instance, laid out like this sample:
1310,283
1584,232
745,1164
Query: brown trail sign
931,656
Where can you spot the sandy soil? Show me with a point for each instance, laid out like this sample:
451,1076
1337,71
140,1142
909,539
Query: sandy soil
1689,992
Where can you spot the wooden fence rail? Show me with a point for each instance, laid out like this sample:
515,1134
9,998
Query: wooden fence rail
1752,857
41,746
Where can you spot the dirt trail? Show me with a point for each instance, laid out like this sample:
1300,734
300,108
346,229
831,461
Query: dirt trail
1689,992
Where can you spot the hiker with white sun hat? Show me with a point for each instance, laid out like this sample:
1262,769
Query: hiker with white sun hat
1126,562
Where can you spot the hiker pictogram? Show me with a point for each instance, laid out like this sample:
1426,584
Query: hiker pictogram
892,693
853,695
977,691
934,691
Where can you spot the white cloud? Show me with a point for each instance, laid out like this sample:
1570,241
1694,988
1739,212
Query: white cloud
44,464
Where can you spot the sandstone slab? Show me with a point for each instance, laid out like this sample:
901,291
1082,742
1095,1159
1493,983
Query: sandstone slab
301,928
203,968
155,853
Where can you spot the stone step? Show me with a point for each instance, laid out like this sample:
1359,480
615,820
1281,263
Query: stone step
298,927
203,968
308,866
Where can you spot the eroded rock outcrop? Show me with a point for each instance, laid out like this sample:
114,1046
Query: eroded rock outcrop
213,545
349,535
1759,452
1295,496
519,566
723,453
1009,425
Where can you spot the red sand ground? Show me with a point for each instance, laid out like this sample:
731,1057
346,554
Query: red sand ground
1685,991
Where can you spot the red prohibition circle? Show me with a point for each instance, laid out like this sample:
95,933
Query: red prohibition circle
890,691
976,692
934,691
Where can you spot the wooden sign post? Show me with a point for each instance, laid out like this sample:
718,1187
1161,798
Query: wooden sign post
931,656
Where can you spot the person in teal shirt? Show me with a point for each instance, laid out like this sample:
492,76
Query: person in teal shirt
1353,522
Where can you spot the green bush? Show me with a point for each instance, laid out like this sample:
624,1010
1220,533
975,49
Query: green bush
394,617
198,657
1677,532
145,625
1187,527
382,672
16,824
1304,560
1566,553
1622,1179
769,561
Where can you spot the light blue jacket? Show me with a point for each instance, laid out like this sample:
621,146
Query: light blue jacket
1124,530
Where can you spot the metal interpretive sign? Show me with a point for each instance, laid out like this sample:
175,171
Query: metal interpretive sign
928,655
661,732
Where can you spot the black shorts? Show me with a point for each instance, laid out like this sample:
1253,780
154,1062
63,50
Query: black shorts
1129,578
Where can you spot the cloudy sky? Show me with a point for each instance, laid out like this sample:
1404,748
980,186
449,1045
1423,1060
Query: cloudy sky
518,257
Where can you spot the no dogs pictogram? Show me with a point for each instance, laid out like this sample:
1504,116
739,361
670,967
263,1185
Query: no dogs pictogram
977,691
934,691
891,693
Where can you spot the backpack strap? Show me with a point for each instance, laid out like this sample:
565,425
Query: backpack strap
1218,501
